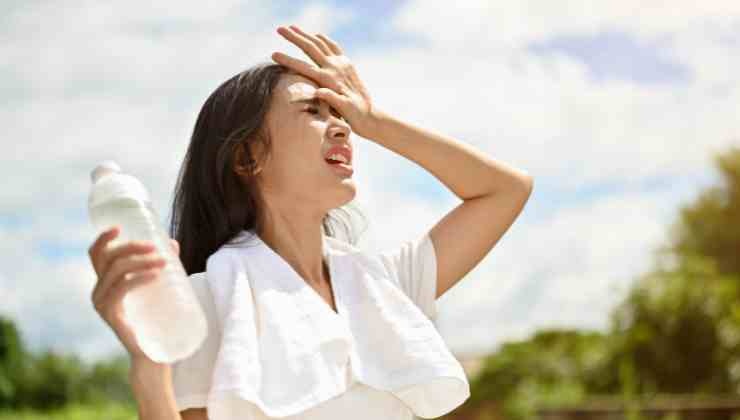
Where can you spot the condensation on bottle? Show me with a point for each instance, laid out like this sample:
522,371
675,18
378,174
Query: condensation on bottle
165,315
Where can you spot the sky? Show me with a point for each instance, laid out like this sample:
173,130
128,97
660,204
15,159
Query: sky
615,108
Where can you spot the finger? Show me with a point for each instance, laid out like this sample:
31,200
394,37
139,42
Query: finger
305,44
333,46
122,270
103,299
319,43
299,66
108,256
311,38
133,282
100,243
336,100
121,251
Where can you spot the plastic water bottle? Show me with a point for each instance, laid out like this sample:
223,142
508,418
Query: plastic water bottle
165,315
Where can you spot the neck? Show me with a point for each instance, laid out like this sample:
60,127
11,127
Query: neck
298,239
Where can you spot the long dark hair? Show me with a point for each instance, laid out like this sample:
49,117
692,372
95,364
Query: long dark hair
216,195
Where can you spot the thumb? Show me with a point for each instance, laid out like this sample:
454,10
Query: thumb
175,246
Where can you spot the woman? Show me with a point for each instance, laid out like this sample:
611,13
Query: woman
271,154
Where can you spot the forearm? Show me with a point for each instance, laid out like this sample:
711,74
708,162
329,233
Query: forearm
466,171
152,387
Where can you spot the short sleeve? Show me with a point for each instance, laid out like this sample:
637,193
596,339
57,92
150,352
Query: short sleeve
413,265
191,377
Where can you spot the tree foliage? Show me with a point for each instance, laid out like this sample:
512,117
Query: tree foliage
681,329
676,331
710,226
555,366
49,381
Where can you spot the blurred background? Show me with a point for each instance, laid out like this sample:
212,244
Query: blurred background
614,293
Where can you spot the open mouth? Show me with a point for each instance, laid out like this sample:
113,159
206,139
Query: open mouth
331,161
340,159
340,166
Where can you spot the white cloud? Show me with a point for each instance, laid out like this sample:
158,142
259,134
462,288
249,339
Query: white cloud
544,112
127,80
513,24
569,269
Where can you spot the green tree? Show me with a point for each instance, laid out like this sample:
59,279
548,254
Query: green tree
680,323
710,226
107,381
680,328
553,367
52,381
12,358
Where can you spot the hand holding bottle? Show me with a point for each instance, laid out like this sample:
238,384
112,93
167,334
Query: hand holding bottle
121,269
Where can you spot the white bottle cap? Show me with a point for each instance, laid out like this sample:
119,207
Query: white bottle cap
104,168
109,182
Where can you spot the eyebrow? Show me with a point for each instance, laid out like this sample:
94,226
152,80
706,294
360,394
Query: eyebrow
313,101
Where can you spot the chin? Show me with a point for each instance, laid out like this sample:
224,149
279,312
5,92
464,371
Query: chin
346,192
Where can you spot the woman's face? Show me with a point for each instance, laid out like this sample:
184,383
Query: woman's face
302,134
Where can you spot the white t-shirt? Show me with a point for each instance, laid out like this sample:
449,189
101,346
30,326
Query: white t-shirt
414,266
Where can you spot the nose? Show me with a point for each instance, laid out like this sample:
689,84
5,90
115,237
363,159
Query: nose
338,129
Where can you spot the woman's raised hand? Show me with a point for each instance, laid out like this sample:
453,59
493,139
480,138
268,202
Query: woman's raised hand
121,269
339,84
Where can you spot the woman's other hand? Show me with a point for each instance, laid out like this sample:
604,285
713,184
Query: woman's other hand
119,270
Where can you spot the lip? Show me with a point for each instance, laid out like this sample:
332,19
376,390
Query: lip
342,168
342,150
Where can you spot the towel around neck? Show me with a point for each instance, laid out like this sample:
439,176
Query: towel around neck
285,350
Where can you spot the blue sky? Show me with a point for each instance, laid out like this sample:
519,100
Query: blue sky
616,119
614,54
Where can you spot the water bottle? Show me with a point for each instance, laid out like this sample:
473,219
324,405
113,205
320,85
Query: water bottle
165,315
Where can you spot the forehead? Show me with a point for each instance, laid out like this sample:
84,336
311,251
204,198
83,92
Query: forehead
294,86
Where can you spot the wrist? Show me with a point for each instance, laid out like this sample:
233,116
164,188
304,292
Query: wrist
145,370
374,123
152,387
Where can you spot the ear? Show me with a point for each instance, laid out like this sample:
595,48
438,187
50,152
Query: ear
175,246
240,161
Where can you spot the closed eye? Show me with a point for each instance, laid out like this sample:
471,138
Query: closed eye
314,110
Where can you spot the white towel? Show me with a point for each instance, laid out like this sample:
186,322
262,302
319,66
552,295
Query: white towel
285,350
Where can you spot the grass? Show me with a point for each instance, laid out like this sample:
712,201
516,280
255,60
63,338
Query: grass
109,411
